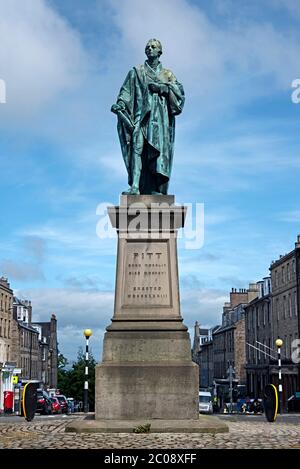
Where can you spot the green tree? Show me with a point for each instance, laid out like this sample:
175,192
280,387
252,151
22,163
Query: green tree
62,374
71,382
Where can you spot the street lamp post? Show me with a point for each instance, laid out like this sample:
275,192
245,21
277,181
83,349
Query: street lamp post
87,333
279,343
50,367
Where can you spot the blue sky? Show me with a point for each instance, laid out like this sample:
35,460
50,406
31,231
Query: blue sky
237,146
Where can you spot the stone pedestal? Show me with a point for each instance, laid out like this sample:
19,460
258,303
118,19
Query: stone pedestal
146,370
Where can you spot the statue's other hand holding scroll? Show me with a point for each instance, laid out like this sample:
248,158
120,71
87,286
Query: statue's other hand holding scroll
118,107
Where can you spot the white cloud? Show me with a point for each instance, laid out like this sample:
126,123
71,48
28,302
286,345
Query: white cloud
75,310
40,55
108,162
76,235
35,247
203,305
22,271
261,50
207,57
183,30
230,163
71,338
71,305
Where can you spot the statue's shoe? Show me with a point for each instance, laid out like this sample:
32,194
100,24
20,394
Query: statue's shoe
132,191
156,193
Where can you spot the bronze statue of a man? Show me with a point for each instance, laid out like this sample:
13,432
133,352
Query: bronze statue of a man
146,107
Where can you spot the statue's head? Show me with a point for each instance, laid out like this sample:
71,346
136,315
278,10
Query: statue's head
153,46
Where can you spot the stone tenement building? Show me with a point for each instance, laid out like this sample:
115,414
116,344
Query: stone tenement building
27,353
227,347
259,339
229,339
37,353
6,319
203,342
8,339
27,349
285,275
202,354
251,323
275,314
48,351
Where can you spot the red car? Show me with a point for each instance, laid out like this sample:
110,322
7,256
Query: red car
44,404
56,408
63,403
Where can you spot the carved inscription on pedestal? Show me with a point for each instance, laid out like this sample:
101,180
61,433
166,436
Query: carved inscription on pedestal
147,277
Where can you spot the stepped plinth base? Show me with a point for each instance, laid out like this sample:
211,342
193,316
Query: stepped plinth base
205,424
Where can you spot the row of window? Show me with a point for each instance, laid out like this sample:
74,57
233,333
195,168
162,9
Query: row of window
29,340
262,355
5,302
259,315
26,371
286,306
224,341
266,347
284,274
219,369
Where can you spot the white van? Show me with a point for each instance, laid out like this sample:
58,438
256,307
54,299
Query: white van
205,402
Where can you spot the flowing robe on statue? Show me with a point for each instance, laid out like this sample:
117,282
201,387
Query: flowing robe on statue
147,125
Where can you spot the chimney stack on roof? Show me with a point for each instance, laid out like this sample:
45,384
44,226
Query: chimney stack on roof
4,282
238,297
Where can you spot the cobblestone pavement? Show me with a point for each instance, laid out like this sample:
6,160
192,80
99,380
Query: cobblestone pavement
50,434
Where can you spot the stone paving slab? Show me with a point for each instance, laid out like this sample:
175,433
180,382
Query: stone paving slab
242,435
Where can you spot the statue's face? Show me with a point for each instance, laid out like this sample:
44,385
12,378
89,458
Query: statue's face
152,50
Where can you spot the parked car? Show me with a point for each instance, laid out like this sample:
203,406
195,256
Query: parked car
63,403
44,403
56,407
205,402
